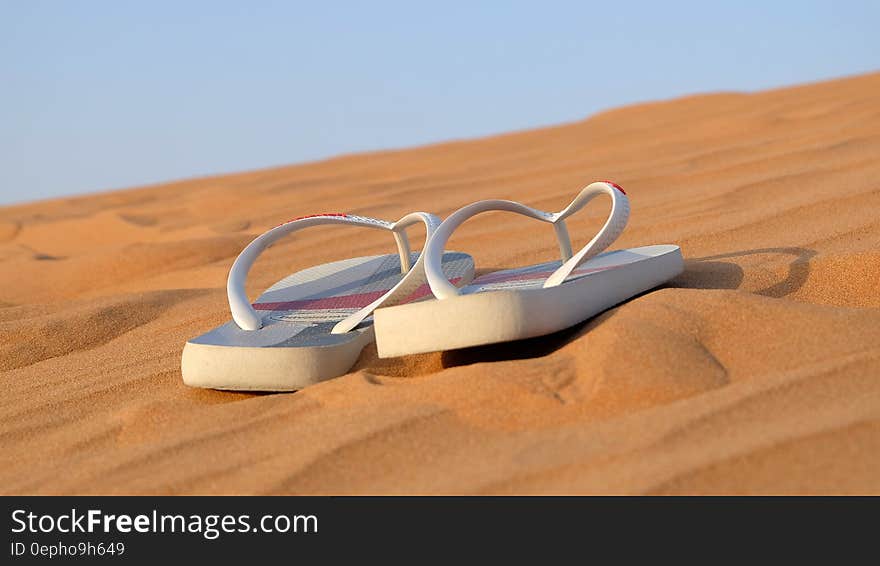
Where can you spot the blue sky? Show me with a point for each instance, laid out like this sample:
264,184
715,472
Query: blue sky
99,95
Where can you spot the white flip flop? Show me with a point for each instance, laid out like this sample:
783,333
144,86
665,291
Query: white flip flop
313,324
529,301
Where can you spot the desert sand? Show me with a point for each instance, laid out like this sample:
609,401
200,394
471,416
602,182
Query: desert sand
755,371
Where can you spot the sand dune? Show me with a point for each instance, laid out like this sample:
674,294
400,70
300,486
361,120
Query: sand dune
755,371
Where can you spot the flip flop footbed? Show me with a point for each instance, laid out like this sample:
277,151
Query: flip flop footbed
512,304
295,346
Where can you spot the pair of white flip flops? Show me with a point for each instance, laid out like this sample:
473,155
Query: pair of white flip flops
313,324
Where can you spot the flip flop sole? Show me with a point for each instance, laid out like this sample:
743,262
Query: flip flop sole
295,347
513,305
244,368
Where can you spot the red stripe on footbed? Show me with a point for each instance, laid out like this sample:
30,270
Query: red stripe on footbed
356,301
360,300
424,290
532,275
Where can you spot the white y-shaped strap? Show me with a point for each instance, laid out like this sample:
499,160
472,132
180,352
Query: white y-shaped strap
244,314
612,229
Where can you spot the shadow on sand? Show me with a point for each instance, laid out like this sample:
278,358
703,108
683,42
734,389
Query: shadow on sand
709,273
699,273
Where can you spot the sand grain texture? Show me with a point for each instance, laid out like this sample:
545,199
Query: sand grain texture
755,371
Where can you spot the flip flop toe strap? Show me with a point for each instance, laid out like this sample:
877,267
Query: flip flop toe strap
612,229
244,314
